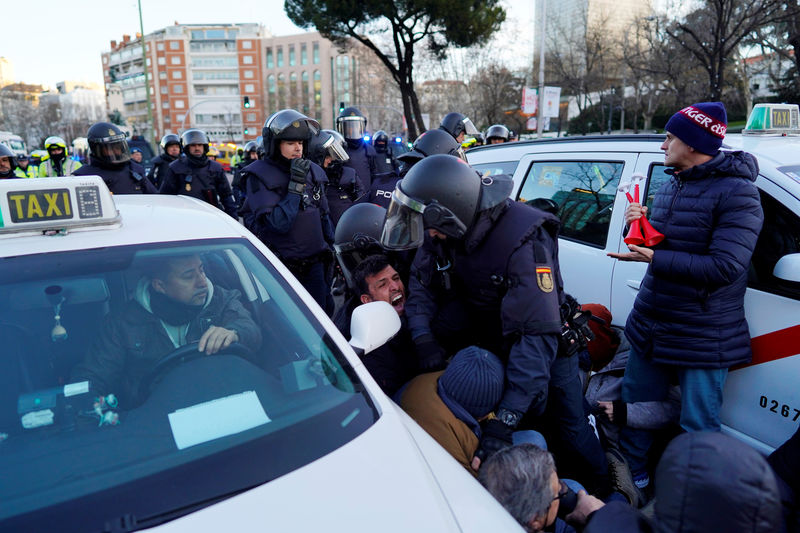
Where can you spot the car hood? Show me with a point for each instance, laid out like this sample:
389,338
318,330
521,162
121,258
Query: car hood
393,477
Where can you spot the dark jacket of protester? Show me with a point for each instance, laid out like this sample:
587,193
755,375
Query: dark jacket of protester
133,341
785,462
201,178
160,166
124,178
394,364
689,310
295,227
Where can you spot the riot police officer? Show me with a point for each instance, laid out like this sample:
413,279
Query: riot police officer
250,154
497,134
489,276
352,124
385,162
458,125
328,149
170,151
110,158
196,175
286,205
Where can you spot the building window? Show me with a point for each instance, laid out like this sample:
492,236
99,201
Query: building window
162,75
293,96
247,45
164,89
317,95
270,63
247,60
175,60
248,74
281,91
177,88
304,92
165,104
316,53
215,34
292,60
179,104
271,91
251,117
148,61
174,45
303,54
249,88
162,61
280,57
160,47
177,74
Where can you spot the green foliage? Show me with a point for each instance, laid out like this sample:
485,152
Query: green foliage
115,117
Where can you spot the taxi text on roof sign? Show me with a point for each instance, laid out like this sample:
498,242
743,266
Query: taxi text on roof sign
55,204
774,118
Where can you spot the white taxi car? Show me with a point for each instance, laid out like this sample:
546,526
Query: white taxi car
292,436
581,174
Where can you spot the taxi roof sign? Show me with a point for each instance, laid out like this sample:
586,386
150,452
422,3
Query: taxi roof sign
781,119
45,204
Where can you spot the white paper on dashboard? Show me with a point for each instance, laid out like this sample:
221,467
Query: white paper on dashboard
215,419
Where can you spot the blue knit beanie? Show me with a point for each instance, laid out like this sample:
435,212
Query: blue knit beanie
701,126
474,379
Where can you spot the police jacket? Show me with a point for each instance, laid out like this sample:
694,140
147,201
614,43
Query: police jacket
160,167
68,168
505,275
204,180
133,340
689,310
294,227
386,164
342,191
128,178
30,172
362,160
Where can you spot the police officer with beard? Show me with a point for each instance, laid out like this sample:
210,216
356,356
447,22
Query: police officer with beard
328,149
352,125
170,151
286,205
110,158
489,276
196,175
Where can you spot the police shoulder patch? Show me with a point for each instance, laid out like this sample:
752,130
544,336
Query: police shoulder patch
544,278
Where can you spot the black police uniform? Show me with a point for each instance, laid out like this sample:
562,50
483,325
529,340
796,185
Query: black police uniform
160,166
385,163
296,228
500,288
126,178
343,190
204,179
238,185
362,160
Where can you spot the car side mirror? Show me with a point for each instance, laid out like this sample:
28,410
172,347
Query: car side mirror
788,268
373,325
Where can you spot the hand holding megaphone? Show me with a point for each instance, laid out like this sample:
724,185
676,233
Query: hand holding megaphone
641,232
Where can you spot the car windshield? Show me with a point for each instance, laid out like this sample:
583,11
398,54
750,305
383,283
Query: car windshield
105,395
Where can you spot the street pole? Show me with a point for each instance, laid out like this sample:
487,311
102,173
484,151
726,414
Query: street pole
540,111
151,129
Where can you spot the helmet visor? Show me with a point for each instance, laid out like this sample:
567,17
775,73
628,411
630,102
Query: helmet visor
335,150
112,149
352,127
403,228
469,127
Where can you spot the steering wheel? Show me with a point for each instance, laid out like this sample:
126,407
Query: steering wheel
183,354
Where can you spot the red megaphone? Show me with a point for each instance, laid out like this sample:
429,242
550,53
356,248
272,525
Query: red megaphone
651,235
634,235
641,232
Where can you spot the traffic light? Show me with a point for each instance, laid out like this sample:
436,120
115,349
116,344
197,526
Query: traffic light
246,131
247,102
341,107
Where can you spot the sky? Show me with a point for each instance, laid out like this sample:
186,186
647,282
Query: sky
65,39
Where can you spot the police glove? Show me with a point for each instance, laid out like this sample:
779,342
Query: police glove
297,175
495,436
431,356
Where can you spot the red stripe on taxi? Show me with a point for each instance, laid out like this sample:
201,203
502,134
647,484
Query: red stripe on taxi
773,346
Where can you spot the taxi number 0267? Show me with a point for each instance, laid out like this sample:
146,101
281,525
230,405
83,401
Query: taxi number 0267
778,408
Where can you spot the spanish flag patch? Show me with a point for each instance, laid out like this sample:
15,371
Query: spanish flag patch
544,278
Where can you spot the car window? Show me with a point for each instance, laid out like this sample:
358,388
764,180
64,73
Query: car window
95,411
780,235
657,177
498,167
584,192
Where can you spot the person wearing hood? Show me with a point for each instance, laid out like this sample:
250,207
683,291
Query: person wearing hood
198,176
688,323
175,304
489,276
110,158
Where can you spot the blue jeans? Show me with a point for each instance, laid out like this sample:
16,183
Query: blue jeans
646,381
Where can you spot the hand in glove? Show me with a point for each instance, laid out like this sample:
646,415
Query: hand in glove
431,355
494,437
297,175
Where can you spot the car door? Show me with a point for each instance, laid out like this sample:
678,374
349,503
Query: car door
583,186
628,275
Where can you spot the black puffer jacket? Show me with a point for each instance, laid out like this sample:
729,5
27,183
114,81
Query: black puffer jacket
707,481
689,310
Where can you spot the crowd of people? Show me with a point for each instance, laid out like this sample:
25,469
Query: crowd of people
562,416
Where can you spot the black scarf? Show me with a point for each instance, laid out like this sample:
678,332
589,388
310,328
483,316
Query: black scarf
172,312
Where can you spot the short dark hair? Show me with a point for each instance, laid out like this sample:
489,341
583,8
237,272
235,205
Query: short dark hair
370,266
160,267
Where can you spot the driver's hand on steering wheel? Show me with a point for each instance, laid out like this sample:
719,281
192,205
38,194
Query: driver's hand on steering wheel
215,339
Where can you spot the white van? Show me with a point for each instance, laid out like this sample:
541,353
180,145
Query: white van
14,142
762,400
